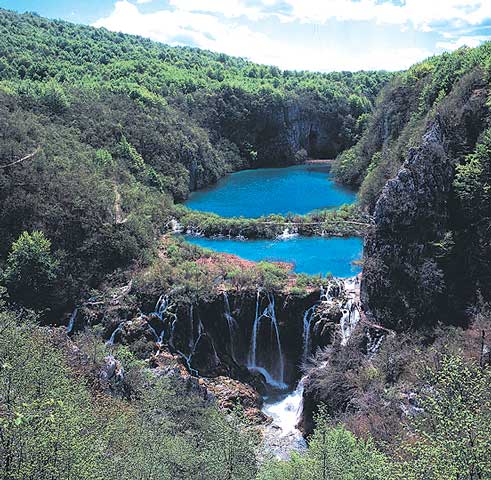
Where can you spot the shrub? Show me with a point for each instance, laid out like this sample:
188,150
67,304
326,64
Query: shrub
31,269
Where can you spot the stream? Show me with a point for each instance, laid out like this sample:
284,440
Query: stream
299,189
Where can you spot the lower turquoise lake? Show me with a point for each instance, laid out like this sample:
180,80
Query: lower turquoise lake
254,193
312,255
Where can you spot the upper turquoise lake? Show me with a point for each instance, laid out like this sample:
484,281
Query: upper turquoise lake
254,193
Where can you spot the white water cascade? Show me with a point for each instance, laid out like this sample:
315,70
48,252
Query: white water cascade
231,324
160,309
287,234
306,334
282,436
175,226
273,378
325,296
71,322
112,338
351,314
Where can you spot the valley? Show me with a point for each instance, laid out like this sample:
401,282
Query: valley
188,291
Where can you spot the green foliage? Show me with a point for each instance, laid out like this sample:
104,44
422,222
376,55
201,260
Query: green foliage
46,426
454,430
52,426
122,126
54,97
472,181
333,453
402,111
30,270
272,277
345,221
472,186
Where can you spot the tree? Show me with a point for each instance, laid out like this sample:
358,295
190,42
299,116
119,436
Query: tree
46,427
473,180
454,431
230,453
31,269
334,453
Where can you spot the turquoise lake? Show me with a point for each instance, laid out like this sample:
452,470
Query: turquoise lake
253,193
299,189
312,255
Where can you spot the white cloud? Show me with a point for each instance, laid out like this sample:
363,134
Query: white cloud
204,30
143,1
421,14
183,27
468,41
227,8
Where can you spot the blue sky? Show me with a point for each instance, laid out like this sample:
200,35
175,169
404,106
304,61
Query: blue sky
322,35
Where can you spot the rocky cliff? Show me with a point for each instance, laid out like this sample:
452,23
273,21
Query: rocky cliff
412,276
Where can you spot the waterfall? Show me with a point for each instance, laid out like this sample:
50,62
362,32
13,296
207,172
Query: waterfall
112,338
324,296
286,412
191,327
175,226
351,314
373,344
349,320
276,379
231,324
71,322
172,332
287,234
160,309
187,360
307,339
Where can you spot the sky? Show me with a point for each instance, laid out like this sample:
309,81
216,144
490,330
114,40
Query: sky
319,35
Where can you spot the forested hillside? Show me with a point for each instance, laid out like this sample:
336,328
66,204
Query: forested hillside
127,352
121,126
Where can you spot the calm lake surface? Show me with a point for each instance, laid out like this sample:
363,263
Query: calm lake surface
312,255
253,193
299,189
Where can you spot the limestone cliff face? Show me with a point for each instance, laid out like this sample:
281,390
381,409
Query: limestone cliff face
402,283
410,278
285,130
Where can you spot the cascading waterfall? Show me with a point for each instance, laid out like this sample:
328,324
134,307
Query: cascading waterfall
276,378
307,338
175,226
231,324
160,310
286,409
112,338
373,344
351,314
71,322
324,296
350,318
286,412
287,234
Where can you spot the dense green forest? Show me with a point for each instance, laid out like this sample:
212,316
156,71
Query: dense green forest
103,134
122,126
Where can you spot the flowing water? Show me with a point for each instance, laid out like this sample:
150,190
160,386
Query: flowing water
273,371
253,193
